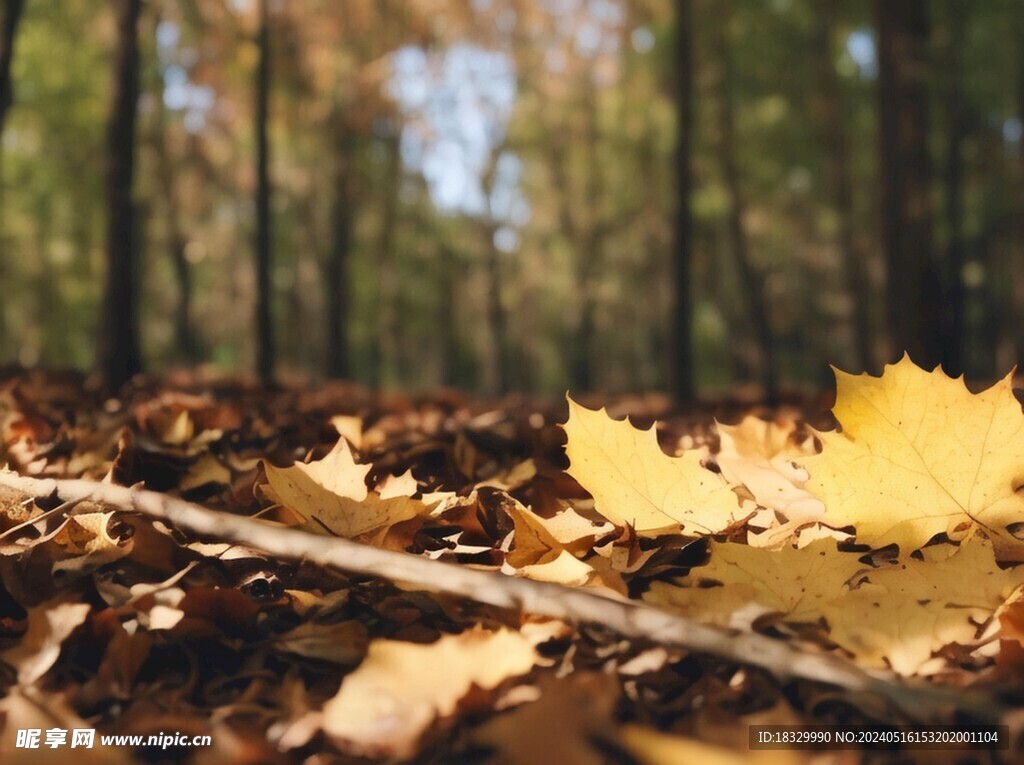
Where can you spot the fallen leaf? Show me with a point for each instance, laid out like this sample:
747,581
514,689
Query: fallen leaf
634,482
759,455
49,624
897,615
559,726
652,747
387,703
331,494
920,455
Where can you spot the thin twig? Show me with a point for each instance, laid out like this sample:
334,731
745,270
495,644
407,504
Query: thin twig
578,606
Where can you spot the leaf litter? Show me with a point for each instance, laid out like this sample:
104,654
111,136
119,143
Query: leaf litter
891,542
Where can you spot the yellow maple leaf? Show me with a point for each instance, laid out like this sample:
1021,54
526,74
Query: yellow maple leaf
331,494
753,581
896,615
386,704
902,613
634,482
920,455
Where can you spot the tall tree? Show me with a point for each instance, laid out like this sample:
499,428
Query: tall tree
682,376
829,111
914,294
185,341
10,14
953,315
262,244
1016,316
120,356
752,281
336,268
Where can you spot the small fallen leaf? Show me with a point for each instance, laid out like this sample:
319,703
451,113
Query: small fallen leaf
49,624
387,703
331,494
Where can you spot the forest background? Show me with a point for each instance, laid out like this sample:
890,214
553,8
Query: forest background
531,195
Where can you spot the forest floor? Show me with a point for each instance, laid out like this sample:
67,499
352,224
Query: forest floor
517,624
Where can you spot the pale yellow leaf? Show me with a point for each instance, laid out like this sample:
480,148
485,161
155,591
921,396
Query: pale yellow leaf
49,625
798,583
386,704
920,455
896,615
760,456
652,747
634,482
331,494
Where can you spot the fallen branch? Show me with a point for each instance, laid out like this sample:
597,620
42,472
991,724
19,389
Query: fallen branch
578,606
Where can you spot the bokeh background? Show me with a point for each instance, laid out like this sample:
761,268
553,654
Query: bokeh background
528,195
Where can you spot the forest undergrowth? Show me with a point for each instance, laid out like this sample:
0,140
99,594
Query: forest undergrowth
330,574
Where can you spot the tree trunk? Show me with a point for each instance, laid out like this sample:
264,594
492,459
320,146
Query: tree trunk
264,323
590,251
384,352
752,280
1016,247
10,14
914,293
447,325
682,373
953,325
119,340
336,272
829,108
184,333
499,370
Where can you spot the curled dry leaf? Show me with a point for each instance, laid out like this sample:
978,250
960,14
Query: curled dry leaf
760,455
387,703
538,555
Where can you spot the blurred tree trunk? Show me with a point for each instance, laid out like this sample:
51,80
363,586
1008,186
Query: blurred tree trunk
682,372
264,323
447,327
119,335
384,366
10,14
752,280
956,127
498,381
338,295
829,108
498,373
914,294
590,253
1016,246
184,334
